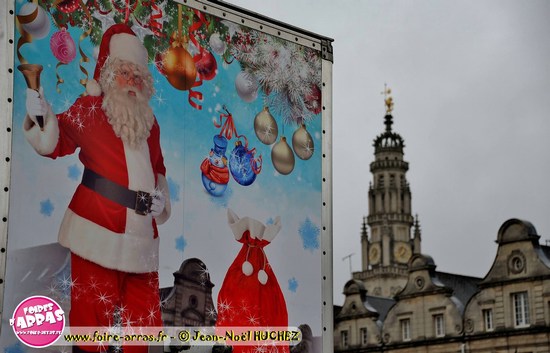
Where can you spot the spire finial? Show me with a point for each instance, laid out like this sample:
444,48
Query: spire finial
364,228
417,232
388,100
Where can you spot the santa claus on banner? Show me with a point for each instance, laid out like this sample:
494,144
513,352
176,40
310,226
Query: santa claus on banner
110,225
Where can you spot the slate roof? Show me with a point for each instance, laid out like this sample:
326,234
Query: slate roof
464,287
381,305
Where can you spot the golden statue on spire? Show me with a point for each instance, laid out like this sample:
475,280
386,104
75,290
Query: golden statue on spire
388,99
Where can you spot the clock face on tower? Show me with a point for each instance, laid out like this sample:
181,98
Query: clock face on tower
402,252
374,254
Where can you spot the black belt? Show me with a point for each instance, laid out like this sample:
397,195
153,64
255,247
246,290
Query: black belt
139,201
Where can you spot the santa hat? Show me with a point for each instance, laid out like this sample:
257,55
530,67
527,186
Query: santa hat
119,41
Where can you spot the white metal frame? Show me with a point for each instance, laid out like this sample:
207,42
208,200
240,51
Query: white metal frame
237,15
7,40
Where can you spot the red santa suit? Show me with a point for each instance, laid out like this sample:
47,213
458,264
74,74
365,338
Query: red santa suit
95,227
114,249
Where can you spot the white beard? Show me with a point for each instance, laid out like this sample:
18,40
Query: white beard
130,116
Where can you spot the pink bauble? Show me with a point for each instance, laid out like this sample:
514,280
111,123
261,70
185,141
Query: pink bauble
62,46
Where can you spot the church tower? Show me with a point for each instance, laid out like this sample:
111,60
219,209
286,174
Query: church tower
385,254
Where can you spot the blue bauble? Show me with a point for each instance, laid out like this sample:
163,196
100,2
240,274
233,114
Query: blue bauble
242,165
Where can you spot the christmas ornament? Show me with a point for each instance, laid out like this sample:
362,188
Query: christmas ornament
179,67
206,65
217,45
312,100
282,157
34,20
63,46
66,6
265,127
247,86
215,174
302,143
242,164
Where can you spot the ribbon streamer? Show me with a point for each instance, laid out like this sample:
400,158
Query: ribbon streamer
154,24
195,95
83,57
98,8
256,169
125,10
127,14
228,127
59,79
194,27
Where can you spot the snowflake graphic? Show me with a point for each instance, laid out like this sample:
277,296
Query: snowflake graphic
181,243
46,208
159,99
292,285
212,313
174,189
73,172
309,232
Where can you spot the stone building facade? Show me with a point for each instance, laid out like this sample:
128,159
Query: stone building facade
400,303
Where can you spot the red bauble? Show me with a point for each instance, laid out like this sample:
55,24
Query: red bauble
66,6
313,99
207,66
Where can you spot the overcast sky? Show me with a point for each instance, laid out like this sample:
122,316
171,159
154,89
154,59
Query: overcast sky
471,86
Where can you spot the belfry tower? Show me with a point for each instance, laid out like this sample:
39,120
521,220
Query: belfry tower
385,254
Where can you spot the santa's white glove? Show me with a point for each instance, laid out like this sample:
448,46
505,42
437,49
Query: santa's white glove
36,104
158,203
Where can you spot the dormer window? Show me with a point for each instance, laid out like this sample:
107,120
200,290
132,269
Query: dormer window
344,339
364,337
439,325
405,329
488,320
520,302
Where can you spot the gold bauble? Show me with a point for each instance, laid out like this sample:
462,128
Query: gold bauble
265,127
282,157
179,68
302,143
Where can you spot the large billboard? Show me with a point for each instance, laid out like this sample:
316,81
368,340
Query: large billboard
167,164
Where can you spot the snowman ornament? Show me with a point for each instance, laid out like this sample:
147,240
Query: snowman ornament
215,174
